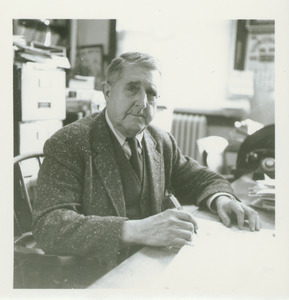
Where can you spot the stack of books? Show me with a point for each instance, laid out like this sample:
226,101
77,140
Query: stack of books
264,193
39,53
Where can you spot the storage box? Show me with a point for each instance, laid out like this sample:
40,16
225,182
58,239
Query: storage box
42,92
34,134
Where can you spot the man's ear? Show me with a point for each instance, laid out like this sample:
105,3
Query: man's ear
106,90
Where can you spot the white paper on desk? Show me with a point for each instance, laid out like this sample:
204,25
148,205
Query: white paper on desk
225,261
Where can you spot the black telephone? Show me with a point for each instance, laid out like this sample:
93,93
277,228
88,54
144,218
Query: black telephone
262,161
257,154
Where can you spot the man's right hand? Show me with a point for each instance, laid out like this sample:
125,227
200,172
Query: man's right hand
171,228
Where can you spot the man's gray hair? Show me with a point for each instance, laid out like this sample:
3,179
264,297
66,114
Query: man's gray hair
144,60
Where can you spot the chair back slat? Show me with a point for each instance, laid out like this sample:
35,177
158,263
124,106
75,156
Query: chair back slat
22,199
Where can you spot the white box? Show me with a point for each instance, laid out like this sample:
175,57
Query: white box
34,134
42,92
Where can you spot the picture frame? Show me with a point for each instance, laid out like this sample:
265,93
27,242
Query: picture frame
89,62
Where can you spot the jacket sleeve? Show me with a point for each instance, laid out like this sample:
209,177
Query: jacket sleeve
59,226
193,183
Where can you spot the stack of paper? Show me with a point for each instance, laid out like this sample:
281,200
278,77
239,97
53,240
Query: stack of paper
36,52
264,192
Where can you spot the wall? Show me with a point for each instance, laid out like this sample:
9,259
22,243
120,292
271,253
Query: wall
93,32
196,56
263,108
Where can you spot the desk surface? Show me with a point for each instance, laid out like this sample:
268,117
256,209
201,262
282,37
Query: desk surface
144,268
241,188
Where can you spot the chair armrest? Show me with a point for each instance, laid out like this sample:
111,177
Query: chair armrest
25,248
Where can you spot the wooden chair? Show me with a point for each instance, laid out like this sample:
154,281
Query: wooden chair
32,267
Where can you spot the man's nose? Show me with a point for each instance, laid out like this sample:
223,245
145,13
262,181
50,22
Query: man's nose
141,100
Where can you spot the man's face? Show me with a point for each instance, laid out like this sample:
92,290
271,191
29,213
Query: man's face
131,101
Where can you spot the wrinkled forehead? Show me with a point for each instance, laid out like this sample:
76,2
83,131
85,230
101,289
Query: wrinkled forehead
135,70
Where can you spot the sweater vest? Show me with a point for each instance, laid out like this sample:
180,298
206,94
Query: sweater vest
136,193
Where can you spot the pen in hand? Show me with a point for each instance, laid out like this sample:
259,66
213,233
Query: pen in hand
176,204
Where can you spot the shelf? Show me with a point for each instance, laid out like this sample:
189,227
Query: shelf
37,30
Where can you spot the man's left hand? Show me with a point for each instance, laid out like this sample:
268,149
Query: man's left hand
227,208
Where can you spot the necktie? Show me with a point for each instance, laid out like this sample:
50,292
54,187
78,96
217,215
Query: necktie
136,158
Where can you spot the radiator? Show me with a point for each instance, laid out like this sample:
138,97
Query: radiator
187,129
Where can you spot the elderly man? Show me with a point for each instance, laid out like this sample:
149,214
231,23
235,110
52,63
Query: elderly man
102,186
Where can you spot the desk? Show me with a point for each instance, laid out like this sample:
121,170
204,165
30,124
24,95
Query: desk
241,188
144,268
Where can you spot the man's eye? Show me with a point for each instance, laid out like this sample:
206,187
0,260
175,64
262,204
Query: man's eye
133,89
152,96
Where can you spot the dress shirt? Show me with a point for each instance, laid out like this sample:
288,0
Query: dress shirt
122,139
213,197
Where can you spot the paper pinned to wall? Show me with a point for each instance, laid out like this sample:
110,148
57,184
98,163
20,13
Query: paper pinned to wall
226,261
241,83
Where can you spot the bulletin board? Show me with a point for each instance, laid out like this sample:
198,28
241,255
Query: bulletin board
255,51
89,62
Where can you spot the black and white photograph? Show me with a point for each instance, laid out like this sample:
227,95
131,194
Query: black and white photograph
147,151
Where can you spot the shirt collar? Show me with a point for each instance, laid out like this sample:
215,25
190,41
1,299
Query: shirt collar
120,137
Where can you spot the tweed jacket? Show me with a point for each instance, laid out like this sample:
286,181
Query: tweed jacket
80,207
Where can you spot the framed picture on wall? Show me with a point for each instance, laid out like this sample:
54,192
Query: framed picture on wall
89,62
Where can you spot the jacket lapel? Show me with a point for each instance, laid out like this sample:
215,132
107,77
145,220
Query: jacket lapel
155,172
106,165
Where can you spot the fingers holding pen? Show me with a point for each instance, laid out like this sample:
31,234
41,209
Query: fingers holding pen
184,220
189,219
179,227
171,228
186,216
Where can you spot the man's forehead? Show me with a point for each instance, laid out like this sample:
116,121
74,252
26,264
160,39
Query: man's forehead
137,75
